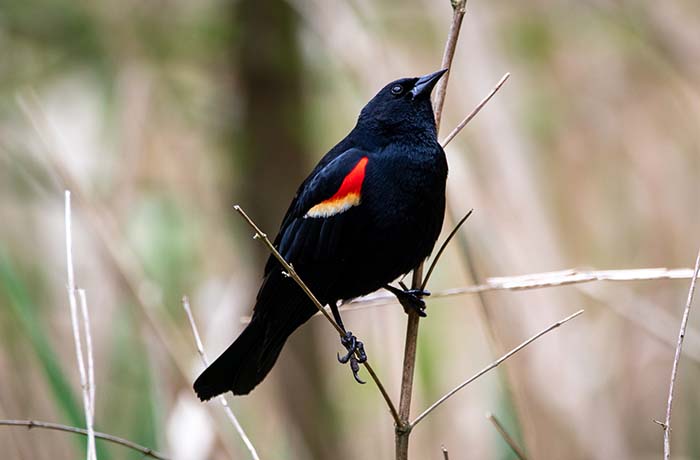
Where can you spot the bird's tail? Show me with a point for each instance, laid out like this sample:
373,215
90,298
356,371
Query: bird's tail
244,364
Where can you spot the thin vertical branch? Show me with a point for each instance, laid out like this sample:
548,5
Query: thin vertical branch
403,426
506,437
91,453
221,398
445,453
458,10
676,360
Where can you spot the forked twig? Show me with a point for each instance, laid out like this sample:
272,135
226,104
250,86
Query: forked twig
29,424
454,231
491,366
259,235
506,437
473,113
676,360
222,399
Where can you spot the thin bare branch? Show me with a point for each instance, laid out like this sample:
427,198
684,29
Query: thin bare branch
677,359
454,231
473,113
506,437
221,398
259,235
91,453
491,366
29,424
403,427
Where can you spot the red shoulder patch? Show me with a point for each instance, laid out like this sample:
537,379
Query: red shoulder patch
347,196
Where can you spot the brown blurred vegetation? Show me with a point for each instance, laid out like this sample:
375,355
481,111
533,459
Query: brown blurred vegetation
160,115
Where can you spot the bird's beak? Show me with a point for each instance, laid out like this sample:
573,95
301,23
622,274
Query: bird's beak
425,84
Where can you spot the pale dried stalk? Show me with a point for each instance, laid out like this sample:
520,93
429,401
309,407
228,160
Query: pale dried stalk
29,424
544,280
85,385
676,360
222,399
259,235
90,360
506,437
121,257
491,366
473,113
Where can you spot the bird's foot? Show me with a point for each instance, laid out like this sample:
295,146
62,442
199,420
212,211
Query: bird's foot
356,354
411,299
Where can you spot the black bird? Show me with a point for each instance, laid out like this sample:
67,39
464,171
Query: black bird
369,212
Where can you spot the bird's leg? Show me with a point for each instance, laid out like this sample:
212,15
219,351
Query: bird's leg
356,350
410,298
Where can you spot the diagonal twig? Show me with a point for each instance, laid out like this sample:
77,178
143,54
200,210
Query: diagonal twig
221,398
506,437
454,231
29,424
259,235
491,366
473,113
676,360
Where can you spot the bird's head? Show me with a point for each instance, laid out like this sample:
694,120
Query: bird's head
402,107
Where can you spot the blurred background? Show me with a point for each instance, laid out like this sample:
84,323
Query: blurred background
160,115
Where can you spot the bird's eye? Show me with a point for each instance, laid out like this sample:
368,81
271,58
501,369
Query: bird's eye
396,90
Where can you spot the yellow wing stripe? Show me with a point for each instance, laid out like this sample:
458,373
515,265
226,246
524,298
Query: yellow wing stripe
331,207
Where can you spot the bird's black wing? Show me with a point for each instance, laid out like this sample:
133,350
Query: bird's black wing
310,230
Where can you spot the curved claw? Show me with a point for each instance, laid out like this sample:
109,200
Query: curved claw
355,369
355,356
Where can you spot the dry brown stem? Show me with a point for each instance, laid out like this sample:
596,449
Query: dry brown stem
403,427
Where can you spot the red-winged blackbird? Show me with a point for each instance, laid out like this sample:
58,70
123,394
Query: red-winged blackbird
369,212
